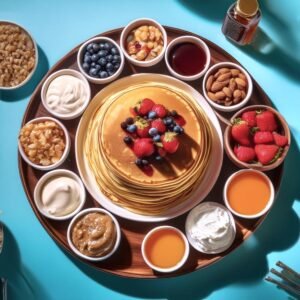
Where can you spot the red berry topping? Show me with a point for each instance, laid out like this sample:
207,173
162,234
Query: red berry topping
240,132
159,125
143,147
162,152
263,137
179,120
266,121
143,127
170,142
144,106
250,117
280,140
245,154
160,110
267,154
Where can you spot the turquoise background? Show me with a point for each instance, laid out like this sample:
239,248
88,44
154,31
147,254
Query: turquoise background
36,267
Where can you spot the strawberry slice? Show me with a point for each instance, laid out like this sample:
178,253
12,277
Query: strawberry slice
170,142
267,154
160,110
266,121
159,125
280,140
143,127
244,154
240,132
250,117
144,106
263,137
143,147
179,120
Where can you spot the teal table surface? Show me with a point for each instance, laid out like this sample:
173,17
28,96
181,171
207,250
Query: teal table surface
36,267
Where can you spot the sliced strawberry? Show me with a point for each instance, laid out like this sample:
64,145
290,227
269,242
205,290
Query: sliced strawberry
263,137
170,142
159,125
143,147
160,110
266,121
144,106
143,127
267,154
280,140
162,152
250,117
240,132
133,111
245,154
179,120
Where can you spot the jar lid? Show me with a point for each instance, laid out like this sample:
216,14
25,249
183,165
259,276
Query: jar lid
247,8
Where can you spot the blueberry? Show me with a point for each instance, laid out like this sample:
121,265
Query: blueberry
109,58
109,67
101,46
87,53
85,66
152,114
181,130
174,113
177,129
102,61
93,72
107,46
156,138
89,46
93,64
124,125
131,128
91,51
171,127
114,51
145,162
158,158
127,140
139,162
110,73
103,74
96,47
87,59
153,131
129,121
97,67
116,66
168,121
116,58
102,53
95,57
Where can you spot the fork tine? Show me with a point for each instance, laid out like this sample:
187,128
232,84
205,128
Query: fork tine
285,278
287,268
283,286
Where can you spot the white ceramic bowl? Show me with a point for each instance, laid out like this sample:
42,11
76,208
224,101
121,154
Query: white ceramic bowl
134,24
73,73
84,212
234,107
94,79
190,219
269,204
36,57
54,174
188,39
179,264
65,154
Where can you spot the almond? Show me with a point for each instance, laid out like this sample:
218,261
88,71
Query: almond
223,77
212,96
227,91
228,103
232,84
220,95
237,94
235,72
223,70
242,76
217,86
209,82
240,81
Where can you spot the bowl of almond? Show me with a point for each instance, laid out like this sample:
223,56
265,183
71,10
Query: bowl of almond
227,86
44,143
258,138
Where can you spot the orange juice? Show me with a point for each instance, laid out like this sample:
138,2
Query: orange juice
248,193
165,248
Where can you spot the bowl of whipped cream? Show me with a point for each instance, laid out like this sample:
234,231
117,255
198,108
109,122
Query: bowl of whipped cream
66,94
210,228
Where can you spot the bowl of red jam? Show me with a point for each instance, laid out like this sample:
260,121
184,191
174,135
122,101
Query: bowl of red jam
187,58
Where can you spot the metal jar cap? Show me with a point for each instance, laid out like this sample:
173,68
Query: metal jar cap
247,8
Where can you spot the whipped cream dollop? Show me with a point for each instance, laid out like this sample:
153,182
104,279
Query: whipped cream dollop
210,227
66,94
60,196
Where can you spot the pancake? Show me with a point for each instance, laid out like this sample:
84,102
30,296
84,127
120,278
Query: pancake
112,161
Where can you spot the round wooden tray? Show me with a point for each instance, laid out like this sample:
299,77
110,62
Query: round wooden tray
128,260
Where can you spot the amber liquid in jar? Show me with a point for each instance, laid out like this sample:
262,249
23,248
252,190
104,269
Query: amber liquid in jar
238,28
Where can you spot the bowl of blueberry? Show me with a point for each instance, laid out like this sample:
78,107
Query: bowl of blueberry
100,59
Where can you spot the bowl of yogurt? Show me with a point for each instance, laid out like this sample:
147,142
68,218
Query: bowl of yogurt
210,228
66,94
59,194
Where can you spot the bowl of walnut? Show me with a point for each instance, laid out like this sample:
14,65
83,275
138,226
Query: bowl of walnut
143,42
44,143
18,56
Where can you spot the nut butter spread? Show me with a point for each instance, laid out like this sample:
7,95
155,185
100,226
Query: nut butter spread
94,234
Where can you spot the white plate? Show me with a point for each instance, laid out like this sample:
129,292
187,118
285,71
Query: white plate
209,179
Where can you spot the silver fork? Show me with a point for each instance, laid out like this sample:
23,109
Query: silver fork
291,279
